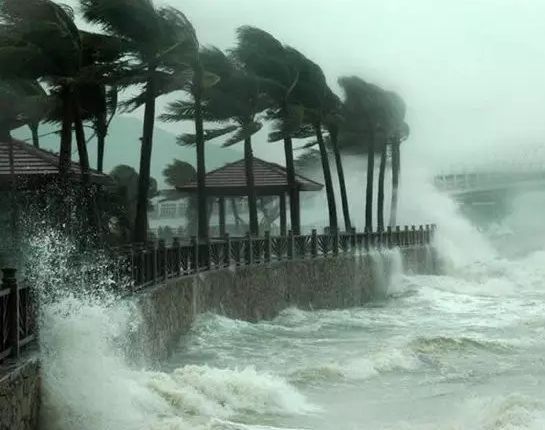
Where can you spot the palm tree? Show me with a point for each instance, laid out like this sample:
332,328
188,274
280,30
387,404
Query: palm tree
362,118
278,67
236,97
39,40
162,48
102,57
400,131
314,94
390,114
334,122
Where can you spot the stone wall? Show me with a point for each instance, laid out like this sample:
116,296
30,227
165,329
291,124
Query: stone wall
20,394
261,292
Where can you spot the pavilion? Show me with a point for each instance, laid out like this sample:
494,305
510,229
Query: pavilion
28,167
25,168
270,179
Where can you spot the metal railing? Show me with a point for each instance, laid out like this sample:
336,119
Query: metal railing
17,316
141,266
148,264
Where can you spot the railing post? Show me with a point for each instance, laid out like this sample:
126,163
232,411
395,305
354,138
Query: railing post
428,234
249,250
141,264
353,239
389,238
314,243
406,240
10,282
153,250
267,250
291,245
421,238
208,247
227,250
398,236
366,239
194,254
176,255
336,242
413,235
161,259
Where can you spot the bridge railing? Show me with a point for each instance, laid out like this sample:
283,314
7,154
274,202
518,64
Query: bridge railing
469,180
143,265
17,316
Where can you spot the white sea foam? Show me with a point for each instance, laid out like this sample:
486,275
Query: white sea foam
88,385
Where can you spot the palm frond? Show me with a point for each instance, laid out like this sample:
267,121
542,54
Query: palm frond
179,110
191,139
244,132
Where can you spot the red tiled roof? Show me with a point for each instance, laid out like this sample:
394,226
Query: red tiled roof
267,176
30,162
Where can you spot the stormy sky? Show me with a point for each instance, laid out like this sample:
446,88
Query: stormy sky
471,71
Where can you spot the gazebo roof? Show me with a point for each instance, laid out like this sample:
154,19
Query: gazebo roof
269,179
33,165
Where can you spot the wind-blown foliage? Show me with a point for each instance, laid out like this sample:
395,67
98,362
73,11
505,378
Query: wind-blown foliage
161,49
278,67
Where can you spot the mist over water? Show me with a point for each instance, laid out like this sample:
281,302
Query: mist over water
459,351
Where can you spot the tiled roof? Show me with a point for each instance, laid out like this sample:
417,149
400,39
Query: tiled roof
266,176
30,162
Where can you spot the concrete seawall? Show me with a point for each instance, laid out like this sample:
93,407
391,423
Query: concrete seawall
261,292
164,313
20,394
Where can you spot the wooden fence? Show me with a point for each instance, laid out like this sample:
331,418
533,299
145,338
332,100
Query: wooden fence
18,316
143,265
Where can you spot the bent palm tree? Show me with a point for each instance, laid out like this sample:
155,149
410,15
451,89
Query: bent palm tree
334,122
162,46
314,94
400,132
236,97
361,112
278,68
39,40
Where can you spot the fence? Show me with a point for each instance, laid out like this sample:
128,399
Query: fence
148,264
18,316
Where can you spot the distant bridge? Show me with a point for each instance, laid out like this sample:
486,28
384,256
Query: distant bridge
489,193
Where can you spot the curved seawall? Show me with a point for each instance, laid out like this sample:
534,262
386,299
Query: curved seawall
261,292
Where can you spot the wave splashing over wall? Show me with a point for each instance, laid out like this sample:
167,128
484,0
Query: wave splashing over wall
87,382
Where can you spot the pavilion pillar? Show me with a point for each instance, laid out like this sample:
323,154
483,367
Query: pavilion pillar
297,208
283,215
221,202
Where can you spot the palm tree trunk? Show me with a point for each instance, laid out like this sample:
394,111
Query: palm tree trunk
35,135
65,153
370,178
81,145
396,167
89,201
140,233
250,184
333,133
295,214
101,131
201,164
381,177
333,224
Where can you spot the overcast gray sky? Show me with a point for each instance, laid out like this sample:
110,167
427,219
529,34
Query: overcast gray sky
471,71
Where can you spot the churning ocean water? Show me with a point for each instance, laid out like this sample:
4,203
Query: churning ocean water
465,350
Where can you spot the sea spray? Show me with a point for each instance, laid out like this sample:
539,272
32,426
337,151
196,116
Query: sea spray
86,381
387,269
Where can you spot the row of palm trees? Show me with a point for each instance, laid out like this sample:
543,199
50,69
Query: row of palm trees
155,51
